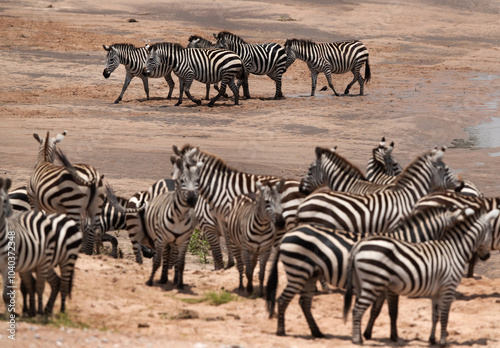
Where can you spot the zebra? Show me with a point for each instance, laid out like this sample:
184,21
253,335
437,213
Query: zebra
260,59
196,41
449,200
332,58
170,220
333,170
252,226
67,189
382,168
312,252
36,241
379,212
134,59
430,269
111,219
204,65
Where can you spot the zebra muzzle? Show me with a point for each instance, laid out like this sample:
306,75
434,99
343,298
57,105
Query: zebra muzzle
146,72
192,198
106,74
279,221
484,257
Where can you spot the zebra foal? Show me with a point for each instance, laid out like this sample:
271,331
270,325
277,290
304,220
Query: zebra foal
203,65
331,58
430,269
134,59
252,226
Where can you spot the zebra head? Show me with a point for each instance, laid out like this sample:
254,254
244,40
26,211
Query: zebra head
315,176
295,48
484,222
383,155
270,196
112,60
186,176
47,146
196,41
443,177
5,206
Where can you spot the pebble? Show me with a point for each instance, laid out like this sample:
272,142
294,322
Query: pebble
37,336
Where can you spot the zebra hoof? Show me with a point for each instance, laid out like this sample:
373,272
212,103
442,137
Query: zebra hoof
117,101
177,104
367,335
149,282
163,281
318,334
394,338
346,92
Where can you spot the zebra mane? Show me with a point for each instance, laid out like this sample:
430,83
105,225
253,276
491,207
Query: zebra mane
420,159
333,155
302,42
125,46
230,36
216,161
166,44
46,148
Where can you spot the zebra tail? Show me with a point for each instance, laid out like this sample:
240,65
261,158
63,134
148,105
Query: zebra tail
111,197
272,285
368,74
349,284
69,167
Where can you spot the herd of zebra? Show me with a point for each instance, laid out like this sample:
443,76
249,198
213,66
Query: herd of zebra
230,58
390,232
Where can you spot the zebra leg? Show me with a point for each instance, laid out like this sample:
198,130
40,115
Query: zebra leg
189,81
41,277
445,312
128,78
181,91
328,75
212,235
250,263
88,236
472,263
277,77
240,266
246,91
28,282
156,262
375,311
207,93
435,318
55,284
363,301
235,90
179,268
166,263
356,74
146,85
171,84
114,244
314,80
262,269
222,91
305,302
392,302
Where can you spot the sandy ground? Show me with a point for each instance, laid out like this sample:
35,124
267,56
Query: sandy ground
435,72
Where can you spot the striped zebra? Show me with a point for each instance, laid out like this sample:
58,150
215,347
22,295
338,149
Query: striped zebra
450,199
381,211
260,59
339,174
34,241
203,65
252,226
196,41
430,269
382,168
134,59
170,220
111,219
312,252
71,190
332,58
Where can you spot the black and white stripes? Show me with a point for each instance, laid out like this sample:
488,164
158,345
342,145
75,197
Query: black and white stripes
331,58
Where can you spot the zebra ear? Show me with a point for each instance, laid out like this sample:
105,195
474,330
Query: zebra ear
106,48
319,152
176,150
173,159
216,36
5,184
333,149
194,42
382,142
37,138
60,136
490,216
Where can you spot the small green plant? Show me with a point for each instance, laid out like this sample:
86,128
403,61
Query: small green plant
219,298
286,19
57,320
198,245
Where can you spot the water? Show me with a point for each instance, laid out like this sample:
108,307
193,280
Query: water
483,136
